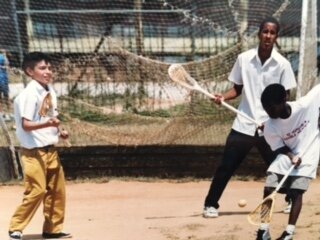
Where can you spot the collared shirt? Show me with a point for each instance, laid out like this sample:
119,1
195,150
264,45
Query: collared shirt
27,105
300,132
255,77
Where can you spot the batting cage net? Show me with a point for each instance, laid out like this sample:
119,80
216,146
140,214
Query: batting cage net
111,62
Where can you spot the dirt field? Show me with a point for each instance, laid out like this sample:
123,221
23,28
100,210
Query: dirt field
159,210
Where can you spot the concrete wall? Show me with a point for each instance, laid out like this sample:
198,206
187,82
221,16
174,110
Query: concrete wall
151,161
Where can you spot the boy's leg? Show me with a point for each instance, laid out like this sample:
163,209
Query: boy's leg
35,188
298,186
296,196
237,147
272,180
268,156
55,198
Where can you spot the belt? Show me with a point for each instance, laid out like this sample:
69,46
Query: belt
44,148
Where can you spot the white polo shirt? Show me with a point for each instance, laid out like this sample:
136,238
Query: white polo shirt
300,132
255,77
27,105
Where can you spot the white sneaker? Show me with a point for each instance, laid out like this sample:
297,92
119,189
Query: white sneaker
285,236
210,212
16,235
263,235
288,208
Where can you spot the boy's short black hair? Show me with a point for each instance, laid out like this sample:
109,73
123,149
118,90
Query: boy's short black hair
269,20
273,94
31,59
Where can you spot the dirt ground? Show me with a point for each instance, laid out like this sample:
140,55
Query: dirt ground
159,210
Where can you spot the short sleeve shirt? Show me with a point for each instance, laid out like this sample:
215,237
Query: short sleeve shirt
300,132
27,105
255,77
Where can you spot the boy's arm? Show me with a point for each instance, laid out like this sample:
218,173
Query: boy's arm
287,151
232,93
28,125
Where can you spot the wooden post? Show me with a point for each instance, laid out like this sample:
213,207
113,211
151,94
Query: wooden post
243,24
139,27
5,168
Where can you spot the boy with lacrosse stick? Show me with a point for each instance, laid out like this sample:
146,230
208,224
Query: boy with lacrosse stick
292,131
37,130
253,71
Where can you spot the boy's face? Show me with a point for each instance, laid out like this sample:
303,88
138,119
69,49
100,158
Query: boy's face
268,36
42,73
276,111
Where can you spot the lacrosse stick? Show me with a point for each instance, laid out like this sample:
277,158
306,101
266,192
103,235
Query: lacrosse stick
263,212
179,75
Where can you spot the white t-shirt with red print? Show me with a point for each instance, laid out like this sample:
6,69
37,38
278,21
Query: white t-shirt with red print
299,132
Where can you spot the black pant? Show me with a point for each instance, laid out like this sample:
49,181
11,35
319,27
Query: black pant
237,147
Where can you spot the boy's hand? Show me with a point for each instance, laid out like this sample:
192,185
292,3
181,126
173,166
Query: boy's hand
64,134
296,160
53,122
260,127
218,98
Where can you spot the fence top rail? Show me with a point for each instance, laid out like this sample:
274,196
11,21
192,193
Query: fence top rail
100,11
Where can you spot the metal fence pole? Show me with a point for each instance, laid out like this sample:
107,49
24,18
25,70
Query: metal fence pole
18,36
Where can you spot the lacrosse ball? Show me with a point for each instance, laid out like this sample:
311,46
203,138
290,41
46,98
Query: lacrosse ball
242,203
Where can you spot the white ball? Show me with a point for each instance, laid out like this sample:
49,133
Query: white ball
242,203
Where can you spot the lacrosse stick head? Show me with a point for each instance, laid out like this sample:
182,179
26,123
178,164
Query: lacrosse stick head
179,75
263,212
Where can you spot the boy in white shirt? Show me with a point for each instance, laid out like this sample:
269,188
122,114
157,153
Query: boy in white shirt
37,124
254,70
293,128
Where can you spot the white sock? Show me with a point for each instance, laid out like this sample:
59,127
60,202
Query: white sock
264,226
290,228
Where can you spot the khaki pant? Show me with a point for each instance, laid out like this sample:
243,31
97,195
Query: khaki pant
44,182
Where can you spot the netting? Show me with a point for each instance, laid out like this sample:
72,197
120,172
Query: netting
111,60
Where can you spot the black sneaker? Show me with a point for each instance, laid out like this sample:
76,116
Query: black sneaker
263,235
285,236
60,235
